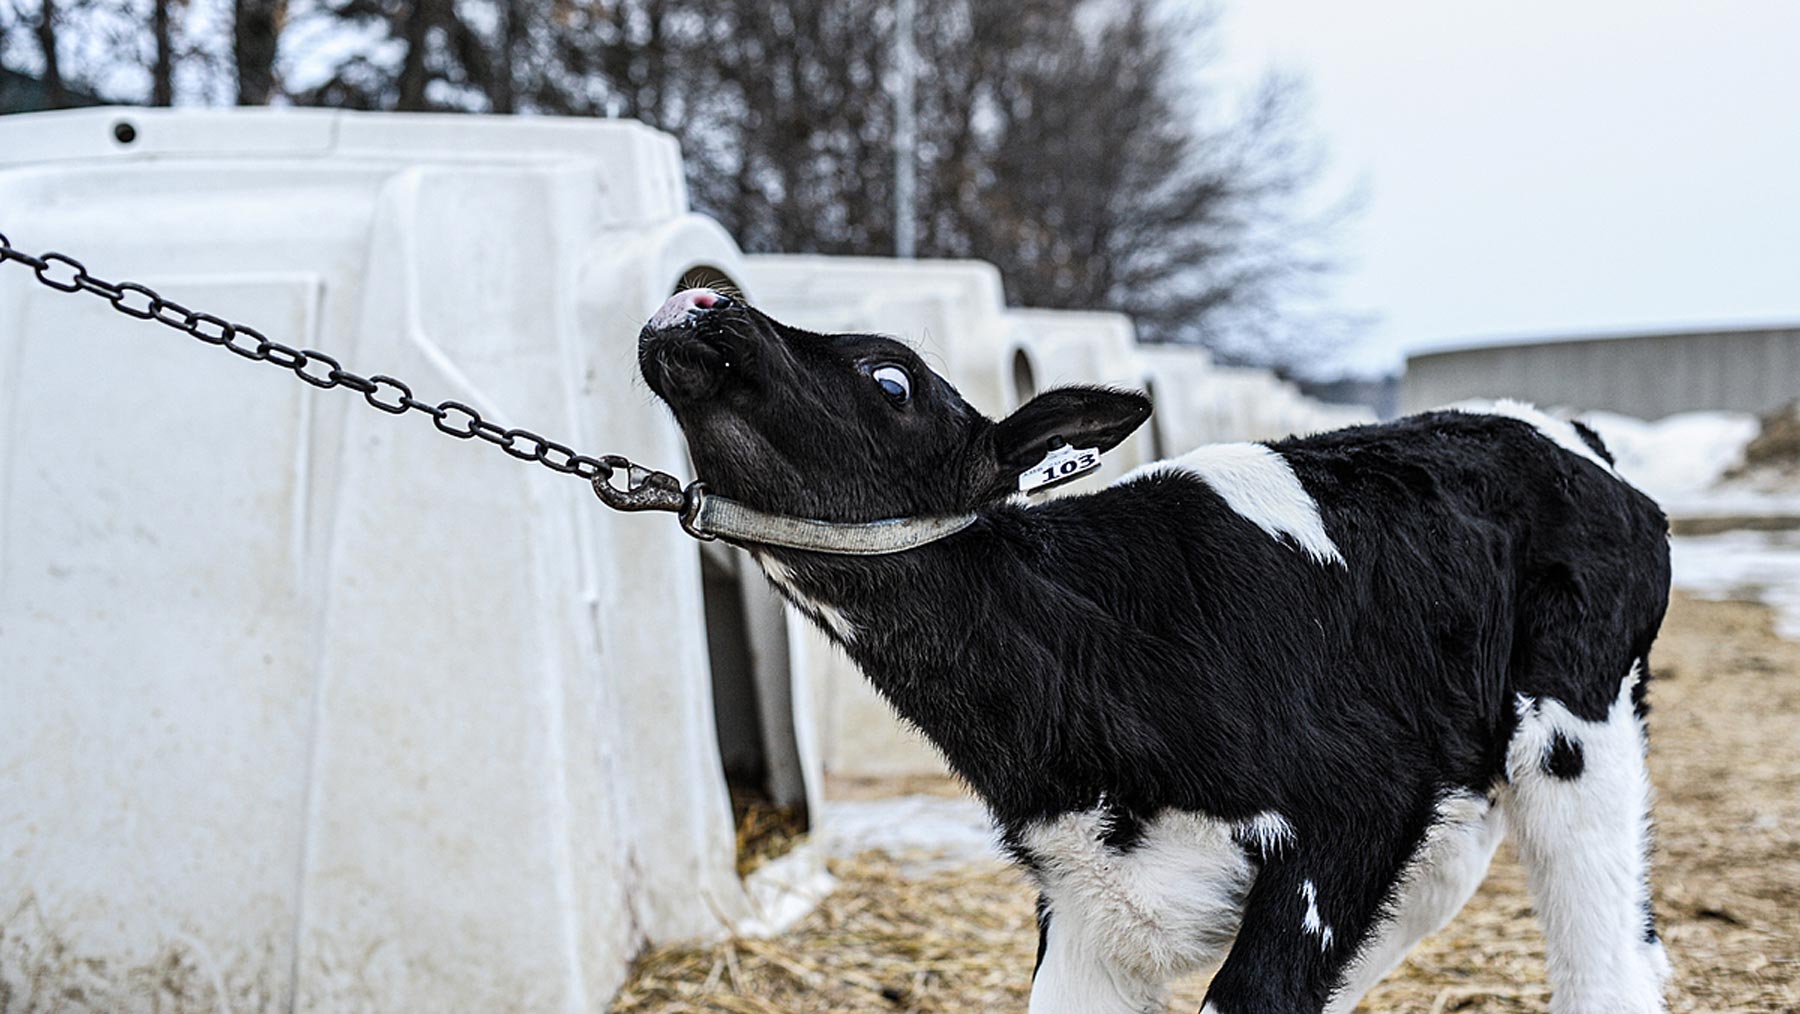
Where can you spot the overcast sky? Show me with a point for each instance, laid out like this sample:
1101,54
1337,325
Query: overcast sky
1550,167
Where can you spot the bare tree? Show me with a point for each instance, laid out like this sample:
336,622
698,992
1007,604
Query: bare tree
162,69
1067,141
1062,140
255,35
48,52
505,74
415,32
445,62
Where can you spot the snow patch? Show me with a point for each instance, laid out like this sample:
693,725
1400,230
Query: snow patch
1677,458
784,891
934,829
1752,566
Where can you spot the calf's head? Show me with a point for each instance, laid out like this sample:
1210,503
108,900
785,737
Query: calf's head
848,427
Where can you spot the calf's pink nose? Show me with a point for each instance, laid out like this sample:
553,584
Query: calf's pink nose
684,303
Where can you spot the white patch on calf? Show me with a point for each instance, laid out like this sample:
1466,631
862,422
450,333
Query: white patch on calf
1261,486
1659,962
1310,922
1584,844
832,617
1268,831
1076,976
1558,431
1123,923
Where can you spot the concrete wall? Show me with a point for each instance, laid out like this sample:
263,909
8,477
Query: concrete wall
1648,376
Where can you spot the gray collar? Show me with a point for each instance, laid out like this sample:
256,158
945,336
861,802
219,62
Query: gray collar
707,517
710,517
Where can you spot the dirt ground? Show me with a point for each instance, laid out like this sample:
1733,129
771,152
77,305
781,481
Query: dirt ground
1725,757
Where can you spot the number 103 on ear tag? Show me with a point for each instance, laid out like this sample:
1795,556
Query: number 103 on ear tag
1062,464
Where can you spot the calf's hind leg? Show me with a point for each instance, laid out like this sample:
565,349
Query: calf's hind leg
1578,801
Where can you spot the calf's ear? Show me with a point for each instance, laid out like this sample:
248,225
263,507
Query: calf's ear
1097,417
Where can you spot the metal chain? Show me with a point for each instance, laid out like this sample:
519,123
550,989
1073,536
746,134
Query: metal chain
646,489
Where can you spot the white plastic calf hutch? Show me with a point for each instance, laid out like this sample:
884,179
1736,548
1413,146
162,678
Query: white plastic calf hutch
1199,402
304,706
1055,347
955,311
1179,381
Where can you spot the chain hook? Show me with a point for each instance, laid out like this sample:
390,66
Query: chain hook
647,489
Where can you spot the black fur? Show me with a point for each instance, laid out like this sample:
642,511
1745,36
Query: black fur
1146,647
1564,760
1592,439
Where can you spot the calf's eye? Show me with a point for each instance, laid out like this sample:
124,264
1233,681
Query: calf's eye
894,382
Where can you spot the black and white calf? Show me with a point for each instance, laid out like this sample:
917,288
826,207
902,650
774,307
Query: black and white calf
1270,705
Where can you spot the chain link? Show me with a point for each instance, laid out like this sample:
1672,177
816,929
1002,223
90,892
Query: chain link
66,274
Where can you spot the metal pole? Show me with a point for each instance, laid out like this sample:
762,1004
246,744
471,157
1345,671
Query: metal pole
906,138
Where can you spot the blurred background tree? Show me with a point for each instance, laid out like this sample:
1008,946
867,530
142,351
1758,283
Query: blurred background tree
1079,145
